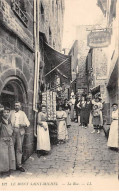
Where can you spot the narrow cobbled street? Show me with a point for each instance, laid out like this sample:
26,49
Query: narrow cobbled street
85,154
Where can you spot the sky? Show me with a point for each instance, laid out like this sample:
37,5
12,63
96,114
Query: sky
79,12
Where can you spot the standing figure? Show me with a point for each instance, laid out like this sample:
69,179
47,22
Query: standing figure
88,108
78,105
96,118
72,102
43,138
67,109
113,133
76,108
7,153
82,112
19,122
61,122
98,102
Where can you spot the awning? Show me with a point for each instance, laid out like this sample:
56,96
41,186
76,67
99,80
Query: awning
95,90
57,62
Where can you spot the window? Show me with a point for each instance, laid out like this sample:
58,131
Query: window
53,44
50,37
42,12
53,6
18,6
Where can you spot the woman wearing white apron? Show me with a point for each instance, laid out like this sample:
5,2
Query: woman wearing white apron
43,138
62,128
113,133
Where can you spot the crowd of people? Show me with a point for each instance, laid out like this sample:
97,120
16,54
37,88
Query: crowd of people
84,110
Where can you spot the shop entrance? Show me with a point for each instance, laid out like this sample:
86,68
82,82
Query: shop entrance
13,91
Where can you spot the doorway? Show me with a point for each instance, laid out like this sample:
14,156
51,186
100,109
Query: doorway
13,91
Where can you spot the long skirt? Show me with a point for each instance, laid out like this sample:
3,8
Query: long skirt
79,120
101,118
91,120
84,116
62,130
7,155
96,120
113,135
43,138
72,112
68,122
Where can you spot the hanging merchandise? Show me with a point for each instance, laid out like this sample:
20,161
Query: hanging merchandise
49,100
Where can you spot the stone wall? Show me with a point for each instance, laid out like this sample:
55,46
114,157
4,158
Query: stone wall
17,60
52,20
74,56
99,64
81,36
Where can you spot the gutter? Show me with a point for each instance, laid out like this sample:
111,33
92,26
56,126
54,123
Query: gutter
37,54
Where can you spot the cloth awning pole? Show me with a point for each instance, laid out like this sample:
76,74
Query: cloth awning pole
56,67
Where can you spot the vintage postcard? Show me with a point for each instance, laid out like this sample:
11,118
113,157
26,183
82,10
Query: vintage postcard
59,95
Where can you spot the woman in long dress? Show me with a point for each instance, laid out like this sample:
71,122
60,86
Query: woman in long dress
88,108
7,153
82,112
43,138
61,122
113,133
98,102
78,105
72,102
96,118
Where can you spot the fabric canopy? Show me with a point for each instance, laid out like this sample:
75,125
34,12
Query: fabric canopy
57,62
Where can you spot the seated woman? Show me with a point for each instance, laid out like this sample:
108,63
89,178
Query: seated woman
7,153
43,138
113,133
61,123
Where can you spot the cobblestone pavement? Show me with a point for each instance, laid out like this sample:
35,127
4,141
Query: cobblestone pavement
85,154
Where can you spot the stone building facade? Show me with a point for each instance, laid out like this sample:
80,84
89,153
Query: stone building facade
74,65
17,61
81,36
104,62
17,53
51,21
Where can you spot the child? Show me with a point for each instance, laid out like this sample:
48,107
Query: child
96,119
7,154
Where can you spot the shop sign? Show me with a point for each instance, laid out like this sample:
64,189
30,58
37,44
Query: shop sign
99,39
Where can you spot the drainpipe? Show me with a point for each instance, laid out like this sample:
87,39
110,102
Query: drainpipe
37,59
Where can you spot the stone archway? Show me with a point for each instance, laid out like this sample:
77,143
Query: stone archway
13,90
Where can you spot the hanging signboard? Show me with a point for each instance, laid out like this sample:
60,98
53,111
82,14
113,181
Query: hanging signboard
99,39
